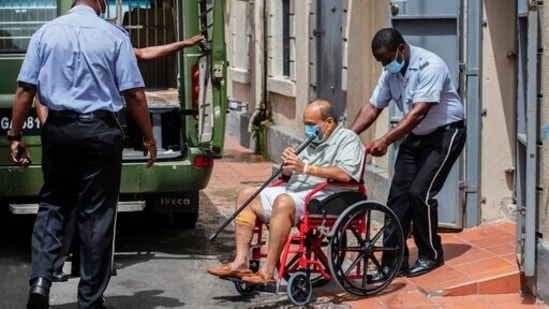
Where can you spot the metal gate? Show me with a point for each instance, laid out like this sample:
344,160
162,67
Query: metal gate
435,26
527,154
329,53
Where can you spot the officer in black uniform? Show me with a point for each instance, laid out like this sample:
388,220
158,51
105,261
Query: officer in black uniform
433,132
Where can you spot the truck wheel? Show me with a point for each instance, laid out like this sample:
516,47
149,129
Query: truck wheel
184,220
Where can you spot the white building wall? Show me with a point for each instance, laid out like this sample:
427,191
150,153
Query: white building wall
498,99
240,51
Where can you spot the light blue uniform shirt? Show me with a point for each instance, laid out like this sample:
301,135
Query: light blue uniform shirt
81,63
427,79
343,149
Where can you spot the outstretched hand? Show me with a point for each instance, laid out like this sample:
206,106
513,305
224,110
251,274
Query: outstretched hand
194,40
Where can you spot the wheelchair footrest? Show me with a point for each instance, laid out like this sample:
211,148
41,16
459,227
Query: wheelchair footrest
267,287
263,287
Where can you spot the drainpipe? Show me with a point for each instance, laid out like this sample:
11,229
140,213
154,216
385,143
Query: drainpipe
259,27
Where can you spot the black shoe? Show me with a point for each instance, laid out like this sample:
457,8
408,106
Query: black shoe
39,295
424,265
59,276
382,275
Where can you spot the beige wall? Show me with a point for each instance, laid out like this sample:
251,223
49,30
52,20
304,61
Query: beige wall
498,98
366,17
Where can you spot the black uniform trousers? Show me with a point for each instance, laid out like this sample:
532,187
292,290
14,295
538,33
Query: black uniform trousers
421,168
70,245
81,163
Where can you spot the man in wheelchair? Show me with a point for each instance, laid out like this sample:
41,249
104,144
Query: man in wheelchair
336,153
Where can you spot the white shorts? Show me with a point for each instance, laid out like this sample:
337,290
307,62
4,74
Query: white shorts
269,194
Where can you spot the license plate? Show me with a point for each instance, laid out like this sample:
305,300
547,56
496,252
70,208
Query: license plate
176,202
31,125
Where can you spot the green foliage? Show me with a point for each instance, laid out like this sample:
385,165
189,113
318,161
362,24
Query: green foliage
259,132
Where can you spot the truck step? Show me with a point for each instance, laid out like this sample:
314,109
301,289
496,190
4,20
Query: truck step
123,206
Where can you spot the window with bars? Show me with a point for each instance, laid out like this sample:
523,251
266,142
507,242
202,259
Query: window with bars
286,12
281,34
19,19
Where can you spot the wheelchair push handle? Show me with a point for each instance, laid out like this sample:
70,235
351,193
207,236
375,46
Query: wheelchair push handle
302,147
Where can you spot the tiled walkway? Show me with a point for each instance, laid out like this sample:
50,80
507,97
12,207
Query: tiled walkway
480,268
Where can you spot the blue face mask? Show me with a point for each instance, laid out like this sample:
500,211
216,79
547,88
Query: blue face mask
311,130
395,66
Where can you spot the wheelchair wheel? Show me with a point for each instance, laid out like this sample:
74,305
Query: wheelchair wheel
299,289
243,288
356,245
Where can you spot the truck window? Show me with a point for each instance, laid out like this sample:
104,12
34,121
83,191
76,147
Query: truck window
154,25
19,19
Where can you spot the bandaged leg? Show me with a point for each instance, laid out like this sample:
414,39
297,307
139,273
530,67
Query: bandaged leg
246,218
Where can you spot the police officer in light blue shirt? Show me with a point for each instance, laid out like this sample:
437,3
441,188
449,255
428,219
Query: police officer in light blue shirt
419,83
93,56
79,65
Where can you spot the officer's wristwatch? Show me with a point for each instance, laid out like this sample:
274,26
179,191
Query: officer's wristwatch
12,137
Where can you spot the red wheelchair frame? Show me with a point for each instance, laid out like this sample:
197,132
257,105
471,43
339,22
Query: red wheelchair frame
338,238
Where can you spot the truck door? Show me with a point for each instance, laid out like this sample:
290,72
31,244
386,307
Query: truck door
186,90
206,99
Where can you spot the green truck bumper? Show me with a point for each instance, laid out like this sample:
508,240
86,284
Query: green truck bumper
172,176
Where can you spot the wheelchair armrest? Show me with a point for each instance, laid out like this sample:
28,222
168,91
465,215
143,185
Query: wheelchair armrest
356,186
352,183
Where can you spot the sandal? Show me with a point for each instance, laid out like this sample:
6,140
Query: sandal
224,270
258,278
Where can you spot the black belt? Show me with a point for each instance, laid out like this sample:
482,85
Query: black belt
75,115
454,125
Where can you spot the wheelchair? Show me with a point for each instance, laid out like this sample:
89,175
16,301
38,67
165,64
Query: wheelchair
339,238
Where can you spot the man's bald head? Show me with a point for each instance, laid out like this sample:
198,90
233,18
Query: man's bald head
320,108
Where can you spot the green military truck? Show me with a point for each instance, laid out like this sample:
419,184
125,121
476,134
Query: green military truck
187,100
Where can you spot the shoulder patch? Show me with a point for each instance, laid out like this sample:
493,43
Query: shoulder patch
423,64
